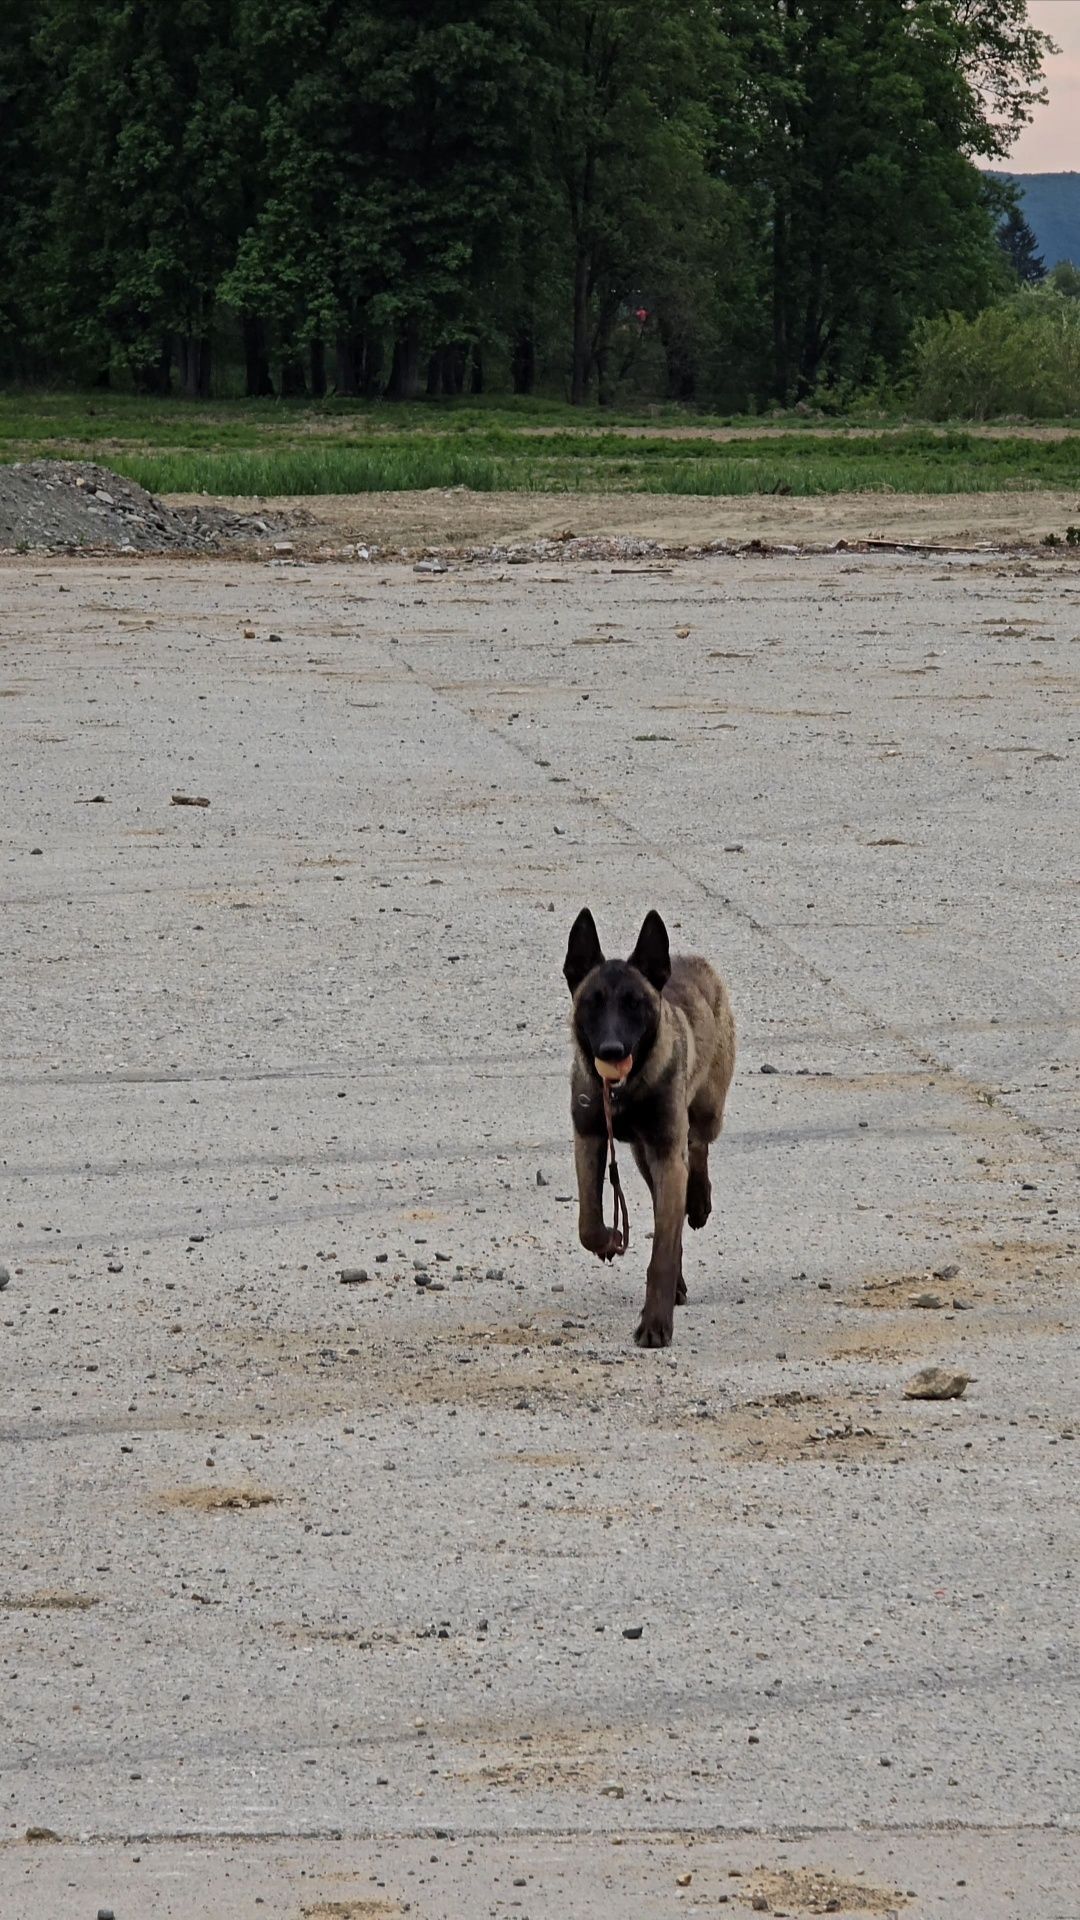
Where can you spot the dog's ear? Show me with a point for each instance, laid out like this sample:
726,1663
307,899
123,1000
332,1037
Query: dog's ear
583,951
652,954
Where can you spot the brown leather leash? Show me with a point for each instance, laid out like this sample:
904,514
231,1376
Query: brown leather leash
621,1228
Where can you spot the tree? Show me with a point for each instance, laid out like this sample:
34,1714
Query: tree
391,194
1020,247
626,133
145,208
25,176
1065,279
868,116
396,143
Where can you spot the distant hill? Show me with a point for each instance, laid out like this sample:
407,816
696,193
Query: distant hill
1051,207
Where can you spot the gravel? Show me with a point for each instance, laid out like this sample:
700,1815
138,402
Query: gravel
64,506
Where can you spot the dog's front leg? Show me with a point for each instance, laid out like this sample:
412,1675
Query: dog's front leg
669,1175
602,1240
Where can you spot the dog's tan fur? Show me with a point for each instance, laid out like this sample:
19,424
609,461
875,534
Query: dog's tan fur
669,1113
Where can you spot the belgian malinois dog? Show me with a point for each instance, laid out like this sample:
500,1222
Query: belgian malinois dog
660,1032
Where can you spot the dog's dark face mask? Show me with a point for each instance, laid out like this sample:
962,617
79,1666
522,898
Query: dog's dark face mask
617,1002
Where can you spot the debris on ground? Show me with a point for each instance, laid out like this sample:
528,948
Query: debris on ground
74,506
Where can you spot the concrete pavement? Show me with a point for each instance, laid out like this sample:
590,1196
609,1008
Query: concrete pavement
287,1557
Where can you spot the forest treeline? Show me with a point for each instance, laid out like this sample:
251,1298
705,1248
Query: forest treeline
738,203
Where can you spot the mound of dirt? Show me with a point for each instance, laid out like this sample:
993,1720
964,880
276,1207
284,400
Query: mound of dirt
65,506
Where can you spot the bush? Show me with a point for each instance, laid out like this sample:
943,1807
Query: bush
1021,357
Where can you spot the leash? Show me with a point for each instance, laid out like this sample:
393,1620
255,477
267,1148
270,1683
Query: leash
622,1217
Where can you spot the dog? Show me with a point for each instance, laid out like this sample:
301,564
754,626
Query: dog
661,1032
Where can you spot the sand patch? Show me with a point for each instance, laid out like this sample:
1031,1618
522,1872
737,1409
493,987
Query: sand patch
815,1890
794,1426
217,1499
901,1336
360,1909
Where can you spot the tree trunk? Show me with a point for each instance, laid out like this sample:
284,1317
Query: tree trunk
681,367
292,380
523,360
155,376
203,367
318,369
258,384
579,378
194,365
476,377
435,373
371,359
405,371
358,360
812,348
605,328
347,356
781,361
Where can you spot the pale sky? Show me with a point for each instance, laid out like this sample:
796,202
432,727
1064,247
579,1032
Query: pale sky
1052,142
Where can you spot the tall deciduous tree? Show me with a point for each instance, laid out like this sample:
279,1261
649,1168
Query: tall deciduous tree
735,195
626,138
397,139
870,113
25,176
144,213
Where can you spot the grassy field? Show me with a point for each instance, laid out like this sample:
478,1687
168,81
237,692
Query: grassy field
267,448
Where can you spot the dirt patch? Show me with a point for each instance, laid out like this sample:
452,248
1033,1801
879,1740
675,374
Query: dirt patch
487,1364
905,1336
984,1273
47,1601
360,1909
519,1339
794,1426
531,1771
217,1499
815,1890
556,1462
654,524
1027,1259
589,1758
62,506
894,1292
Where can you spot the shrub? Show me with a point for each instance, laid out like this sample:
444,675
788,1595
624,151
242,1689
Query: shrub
1019,357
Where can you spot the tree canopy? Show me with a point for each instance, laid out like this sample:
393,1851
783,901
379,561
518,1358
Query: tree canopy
744,202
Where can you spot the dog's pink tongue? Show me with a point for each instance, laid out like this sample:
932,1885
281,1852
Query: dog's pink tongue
614,1070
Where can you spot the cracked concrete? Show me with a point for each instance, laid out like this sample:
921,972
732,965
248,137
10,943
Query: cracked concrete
305,1583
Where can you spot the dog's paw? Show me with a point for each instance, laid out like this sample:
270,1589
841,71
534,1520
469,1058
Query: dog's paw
680,1292
698,1203
654,1329
607,1246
